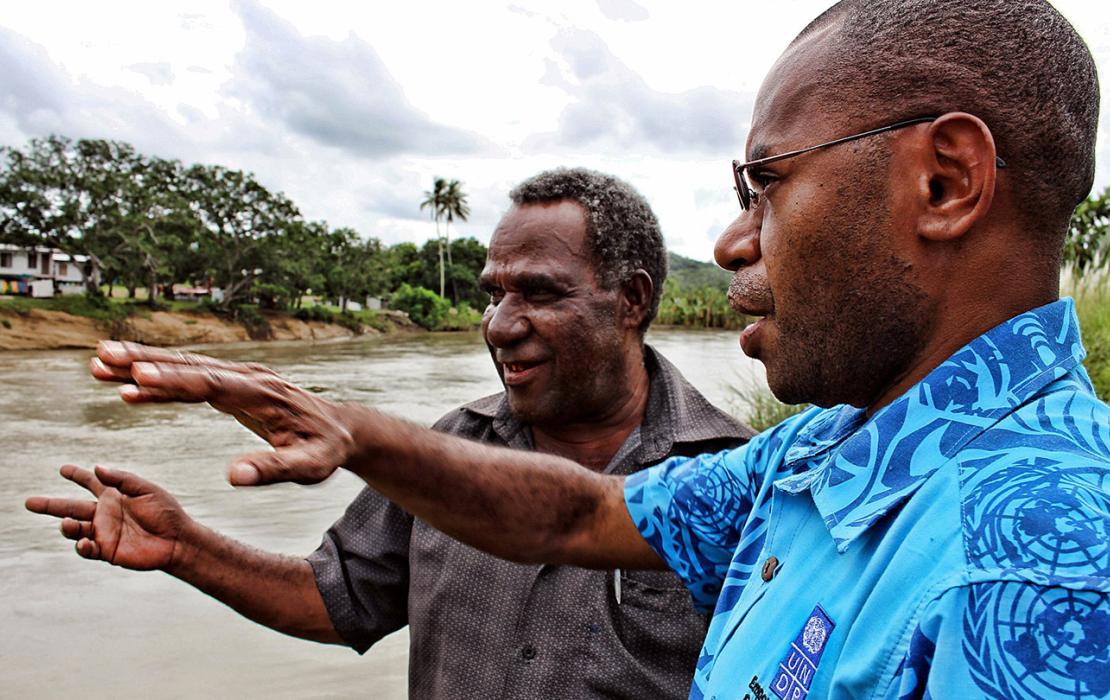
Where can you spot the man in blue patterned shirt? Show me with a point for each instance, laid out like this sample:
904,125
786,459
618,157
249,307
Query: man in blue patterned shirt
941,528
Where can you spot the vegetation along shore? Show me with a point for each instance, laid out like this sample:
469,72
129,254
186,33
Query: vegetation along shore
100,241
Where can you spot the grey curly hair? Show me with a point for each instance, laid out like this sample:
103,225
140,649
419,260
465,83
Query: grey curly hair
622,231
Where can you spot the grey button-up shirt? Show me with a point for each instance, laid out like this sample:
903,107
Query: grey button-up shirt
482,627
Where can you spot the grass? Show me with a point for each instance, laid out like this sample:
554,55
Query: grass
460,318
352,320
118,309
1092,305
97,308
761,410
758,408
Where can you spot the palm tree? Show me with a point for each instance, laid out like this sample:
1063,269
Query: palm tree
454,206
434,200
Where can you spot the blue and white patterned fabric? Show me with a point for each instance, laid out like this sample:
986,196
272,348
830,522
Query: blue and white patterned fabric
954,545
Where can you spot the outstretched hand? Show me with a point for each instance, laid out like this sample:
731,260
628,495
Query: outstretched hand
309,434
133,523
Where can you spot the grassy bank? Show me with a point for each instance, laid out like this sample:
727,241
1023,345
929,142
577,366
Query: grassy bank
1092,305
761,410
114,311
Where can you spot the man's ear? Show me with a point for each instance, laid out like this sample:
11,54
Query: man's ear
957,182
636,294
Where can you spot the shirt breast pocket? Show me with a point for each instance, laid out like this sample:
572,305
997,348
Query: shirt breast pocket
656,617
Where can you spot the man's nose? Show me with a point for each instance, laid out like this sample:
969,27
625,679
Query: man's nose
505,322
738,244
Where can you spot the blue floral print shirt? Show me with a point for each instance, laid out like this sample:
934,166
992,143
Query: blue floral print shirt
956,544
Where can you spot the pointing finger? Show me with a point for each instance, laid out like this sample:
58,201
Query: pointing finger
61,507
108,373
264,397
123,355
190,383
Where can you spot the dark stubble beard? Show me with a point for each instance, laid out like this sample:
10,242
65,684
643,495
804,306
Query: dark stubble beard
853,357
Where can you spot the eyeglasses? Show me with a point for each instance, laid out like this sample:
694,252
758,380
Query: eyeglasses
746,193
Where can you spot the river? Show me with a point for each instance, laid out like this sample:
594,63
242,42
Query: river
76,628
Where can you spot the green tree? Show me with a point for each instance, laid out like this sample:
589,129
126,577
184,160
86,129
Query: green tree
146,236
469,259
356,268
1087,245
237,216
294,261
426,308
405,263
57,191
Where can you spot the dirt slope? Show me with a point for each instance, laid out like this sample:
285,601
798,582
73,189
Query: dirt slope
39,329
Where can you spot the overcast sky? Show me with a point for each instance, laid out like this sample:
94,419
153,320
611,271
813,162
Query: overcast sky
352,108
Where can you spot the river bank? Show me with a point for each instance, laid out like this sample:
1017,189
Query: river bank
46,329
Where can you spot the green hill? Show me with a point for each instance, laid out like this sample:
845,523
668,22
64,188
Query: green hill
693,274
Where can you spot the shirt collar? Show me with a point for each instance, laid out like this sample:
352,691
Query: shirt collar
857,470
676,413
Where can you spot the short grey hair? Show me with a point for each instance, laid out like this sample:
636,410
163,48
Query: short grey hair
622,231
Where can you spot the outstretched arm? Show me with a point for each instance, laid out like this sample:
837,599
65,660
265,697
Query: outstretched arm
135,524
524,506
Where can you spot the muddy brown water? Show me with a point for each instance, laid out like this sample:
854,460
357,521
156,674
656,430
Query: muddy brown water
70,627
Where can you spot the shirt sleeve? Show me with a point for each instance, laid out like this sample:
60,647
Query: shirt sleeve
1009,639
362,570
697,512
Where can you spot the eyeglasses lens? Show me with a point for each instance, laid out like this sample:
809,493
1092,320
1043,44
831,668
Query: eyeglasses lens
743,193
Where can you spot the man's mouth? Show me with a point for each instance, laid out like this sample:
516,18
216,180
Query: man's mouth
516,373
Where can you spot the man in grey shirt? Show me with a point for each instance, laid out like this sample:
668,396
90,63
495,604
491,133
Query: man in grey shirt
574,272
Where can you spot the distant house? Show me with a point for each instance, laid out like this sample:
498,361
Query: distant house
43,272
185,292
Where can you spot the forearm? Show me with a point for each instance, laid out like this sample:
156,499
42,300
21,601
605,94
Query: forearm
271,589
523,506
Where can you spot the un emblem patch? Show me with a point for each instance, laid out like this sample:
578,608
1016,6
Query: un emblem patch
795,673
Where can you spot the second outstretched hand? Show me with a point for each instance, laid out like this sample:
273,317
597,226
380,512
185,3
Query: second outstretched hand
133,523
309,434
136,524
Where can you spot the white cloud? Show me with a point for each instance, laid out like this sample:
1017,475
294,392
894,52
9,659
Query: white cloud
352,108
623,10
338,93
613,107
158,73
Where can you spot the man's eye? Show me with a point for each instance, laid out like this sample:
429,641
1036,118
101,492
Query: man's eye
495,296
761,180
540,295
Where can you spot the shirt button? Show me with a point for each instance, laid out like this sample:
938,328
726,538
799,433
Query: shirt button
528,652
769,567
